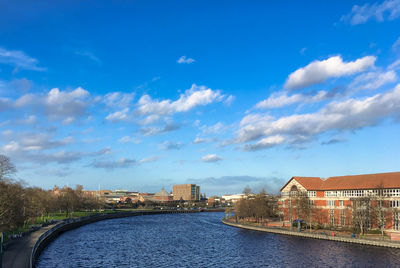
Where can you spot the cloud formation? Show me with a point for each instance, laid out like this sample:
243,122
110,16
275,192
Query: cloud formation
281,99
57,104
171,145
319,71
19,60
387,10
110,165
186,60
211,158
350,114
193,97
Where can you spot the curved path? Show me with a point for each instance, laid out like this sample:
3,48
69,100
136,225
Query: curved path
18,252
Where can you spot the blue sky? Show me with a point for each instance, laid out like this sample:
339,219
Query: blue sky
146,94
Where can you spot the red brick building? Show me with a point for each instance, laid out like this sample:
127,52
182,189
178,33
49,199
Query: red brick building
332,200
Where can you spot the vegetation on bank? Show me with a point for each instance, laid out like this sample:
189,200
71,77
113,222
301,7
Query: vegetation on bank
258,207
22,206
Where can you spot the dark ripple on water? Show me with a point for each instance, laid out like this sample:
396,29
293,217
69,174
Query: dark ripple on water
200,240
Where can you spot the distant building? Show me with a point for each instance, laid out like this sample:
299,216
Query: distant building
162,196
233,197
213,200
187,192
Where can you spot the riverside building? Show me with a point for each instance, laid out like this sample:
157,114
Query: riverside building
187,192
332,201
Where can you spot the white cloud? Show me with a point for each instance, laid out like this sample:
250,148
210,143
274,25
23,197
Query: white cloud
265,143
19,60
88,55
388,10
199,140
217,128
150,131
57,105
395,65
186,60
118,116
193,97
351,114
118,99
210,158
124,139
319,71
149,159
280,99
396,44
373,80
229,100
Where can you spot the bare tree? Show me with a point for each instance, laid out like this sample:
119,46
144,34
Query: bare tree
361,208
247,190
7,169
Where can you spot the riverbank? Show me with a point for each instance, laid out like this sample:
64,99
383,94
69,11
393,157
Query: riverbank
27,249
313,235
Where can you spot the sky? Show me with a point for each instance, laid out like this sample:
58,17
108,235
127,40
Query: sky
141,95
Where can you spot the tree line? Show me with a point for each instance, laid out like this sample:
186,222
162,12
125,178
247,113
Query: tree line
21,205
256,206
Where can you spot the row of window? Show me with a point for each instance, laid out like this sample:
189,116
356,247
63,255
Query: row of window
359,193
311,193
394,204
331,203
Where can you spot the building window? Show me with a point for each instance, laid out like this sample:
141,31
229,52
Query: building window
331,203
394,203
341,203
331,217
311,193
311,202
396,221
342,217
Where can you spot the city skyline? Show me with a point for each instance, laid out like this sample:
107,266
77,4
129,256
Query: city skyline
222,95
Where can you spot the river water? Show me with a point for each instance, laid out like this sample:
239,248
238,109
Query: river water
200,240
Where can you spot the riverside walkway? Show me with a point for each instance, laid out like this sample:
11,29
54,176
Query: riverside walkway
378,243
18,251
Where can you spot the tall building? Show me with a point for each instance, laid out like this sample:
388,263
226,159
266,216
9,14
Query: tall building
333,200
188,192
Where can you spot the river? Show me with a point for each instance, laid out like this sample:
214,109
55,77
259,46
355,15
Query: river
200,240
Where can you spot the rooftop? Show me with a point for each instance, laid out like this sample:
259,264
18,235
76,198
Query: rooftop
365,181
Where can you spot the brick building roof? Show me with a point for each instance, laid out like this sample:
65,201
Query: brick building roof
366,181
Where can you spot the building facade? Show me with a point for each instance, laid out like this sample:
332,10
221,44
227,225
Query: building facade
187,192
373,199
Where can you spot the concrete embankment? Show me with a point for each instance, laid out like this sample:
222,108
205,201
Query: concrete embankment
314,236
24,251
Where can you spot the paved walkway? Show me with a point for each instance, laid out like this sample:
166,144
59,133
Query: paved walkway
18,252
313,235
